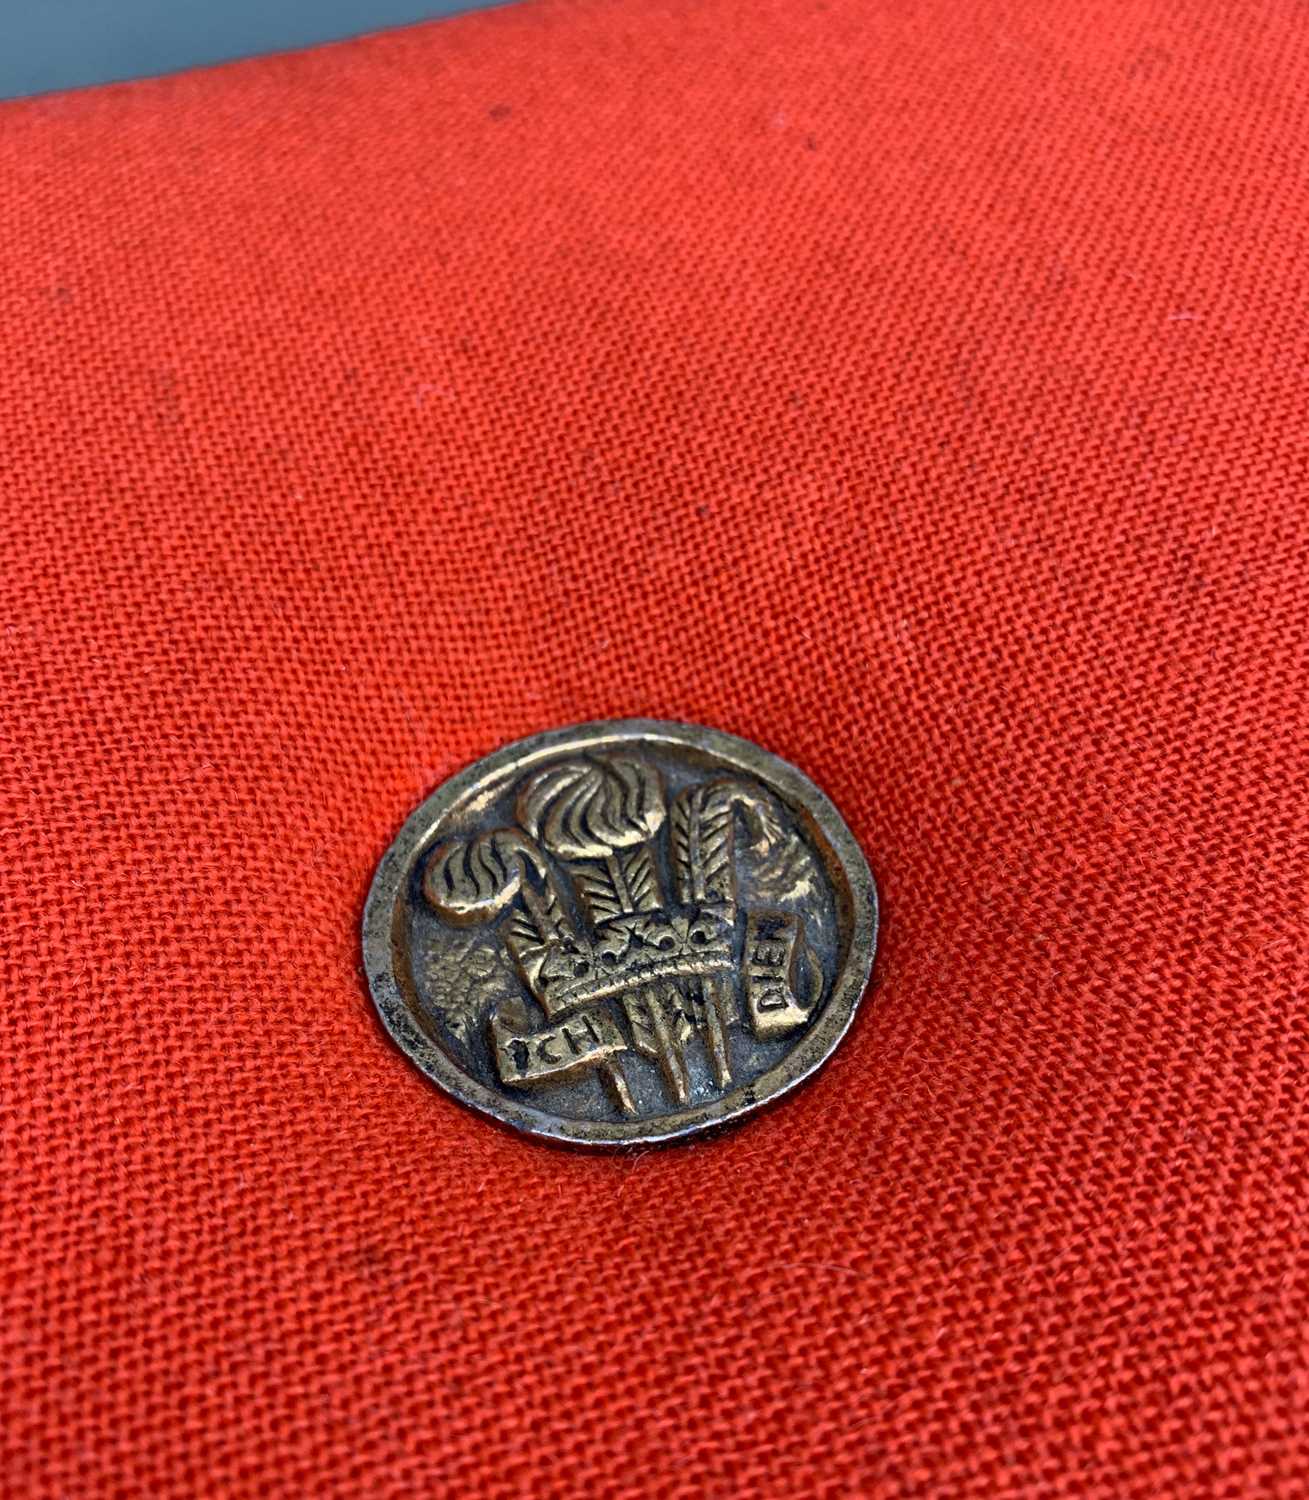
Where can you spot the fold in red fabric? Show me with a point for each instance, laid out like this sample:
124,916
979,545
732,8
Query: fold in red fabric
917,389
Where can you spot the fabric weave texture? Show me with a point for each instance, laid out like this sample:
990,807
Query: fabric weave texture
917,389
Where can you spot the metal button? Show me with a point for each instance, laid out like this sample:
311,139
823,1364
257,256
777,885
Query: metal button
621,933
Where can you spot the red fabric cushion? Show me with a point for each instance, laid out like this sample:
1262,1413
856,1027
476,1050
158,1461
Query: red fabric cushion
917,389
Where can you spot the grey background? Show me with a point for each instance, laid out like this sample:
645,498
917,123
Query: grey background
61,44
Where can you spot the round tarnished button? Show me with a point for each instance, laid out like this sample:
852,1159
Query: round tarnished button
622,932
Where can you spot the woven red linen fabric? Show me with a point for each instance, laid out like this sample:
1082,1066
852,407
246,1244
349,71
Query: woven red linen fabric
918,389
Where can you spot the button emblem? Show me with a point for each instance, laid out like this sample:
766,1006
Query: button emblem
621,933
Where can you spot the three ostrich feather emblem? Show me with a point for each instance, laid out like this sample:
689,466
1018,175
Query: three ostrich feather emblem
622,969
